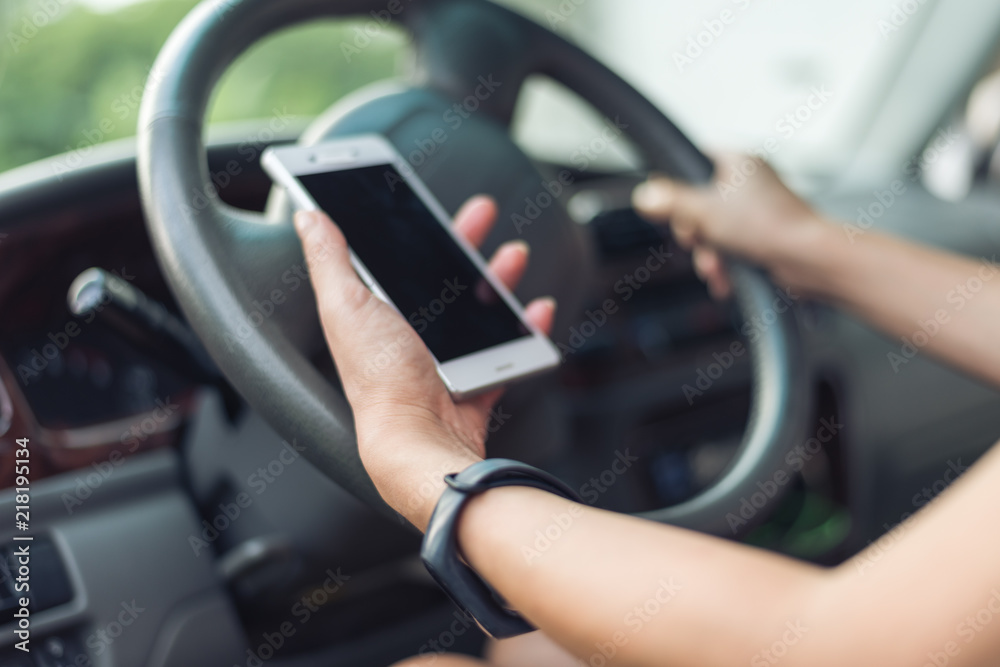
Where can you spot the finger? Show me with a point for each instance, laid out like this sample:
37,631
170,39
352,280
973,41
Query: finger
510,262
475,219
661,199
710,267
542,314
719,286
730,165
685,233
705,261
338,288
655,199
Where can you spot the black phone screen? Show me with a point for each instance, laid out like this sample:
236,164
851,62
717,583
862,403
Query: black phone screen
419,266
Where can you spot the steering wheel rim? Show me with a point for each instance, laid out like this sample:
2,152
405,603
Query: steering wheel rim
217,259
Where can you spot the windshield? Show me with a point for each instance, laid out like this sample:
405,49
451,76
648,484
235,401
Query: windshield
795,80
72,72
792,79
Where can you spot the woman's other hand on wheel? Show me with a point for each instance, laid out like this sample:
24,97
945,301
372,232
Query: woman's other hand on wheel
747,212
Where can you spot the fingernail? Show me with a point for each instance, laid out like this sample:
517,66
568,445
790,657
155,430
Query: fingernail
521,244
550,301
304,220
651,195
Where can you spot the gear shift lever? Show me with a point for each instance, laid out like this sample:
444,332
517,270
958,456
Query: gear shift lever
142,321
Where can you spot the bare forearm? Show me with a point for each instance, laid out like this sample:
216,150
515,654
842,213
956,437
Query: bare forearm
601,583
927,300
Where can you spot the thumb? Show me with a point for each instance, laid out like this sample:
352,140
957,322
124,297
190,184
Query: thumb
661,199
341,297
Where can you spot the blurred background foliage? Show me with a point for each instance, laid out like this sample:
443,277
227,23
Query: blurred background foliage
71,76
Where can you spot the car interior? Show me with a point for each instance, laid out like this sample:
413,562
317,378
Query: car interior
196,496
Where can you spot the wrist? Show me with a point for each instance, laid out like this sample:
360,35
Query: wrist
804,255
483,513
471,498
408,469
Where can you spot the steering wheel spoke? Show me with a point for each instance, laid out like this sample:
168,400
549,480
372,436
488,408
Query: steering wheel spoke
268,261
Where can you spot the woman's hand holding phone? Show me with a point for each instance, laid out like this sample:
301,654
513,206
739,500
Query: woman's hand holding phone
410,430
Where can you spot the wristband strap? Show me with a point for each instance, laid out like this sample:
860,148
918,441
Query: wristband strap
440,547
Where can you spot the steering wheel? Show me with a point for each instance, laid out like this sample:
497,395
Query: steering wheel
227,267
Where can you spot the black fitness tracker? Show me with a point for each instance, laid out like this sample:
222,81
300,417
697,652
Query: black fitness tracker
440,547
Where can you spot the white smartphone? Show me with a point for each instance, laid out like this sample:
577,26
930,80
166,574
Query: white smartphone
403,247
